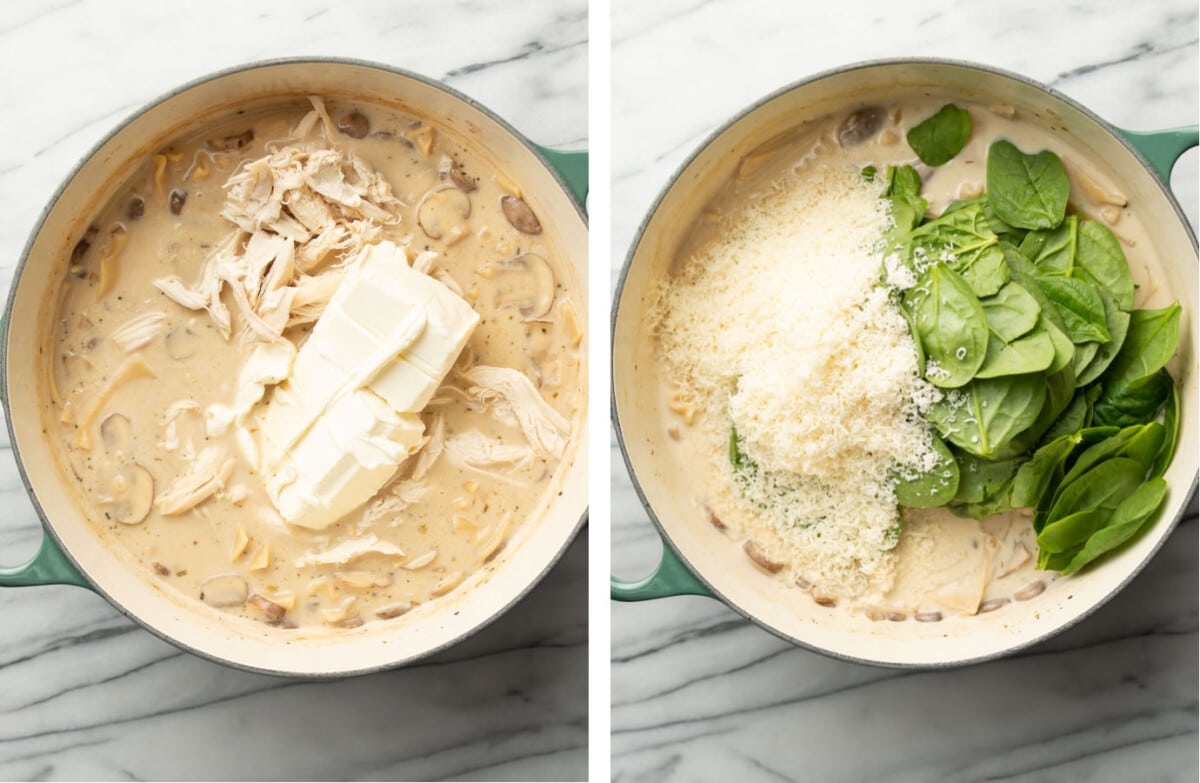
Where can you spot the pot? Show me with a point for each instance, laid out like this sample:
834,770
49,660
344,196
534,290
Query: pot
697,558
73,553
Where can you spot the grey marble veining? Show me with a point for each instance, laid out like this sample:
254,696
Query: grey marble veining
698,693
85,693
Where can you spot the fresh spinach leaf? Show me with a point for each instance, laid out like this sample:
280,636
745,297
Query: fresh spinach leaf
1060,390
989,412
1026,191
1117,322
1143,447
1053,250
1100,255
1064,349
1127,518
1170,434
950,325
1031,353
981,480
1124,402
1079,304
964,241
1043,470
737,457
934,488
1023,271
1070,532
1085,353
939,137
1100,451
1102,487
1072,419
904,191
1012,312
1152,339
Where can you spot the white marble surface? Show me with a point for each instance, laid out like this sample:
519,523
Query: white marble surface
699,694
85,694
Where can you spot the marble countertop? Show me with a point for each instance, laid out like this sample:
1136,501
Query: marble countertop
700,694
84,693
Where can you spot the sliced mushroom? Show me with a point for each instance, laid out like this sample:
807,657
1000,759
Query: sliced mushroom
224,590
135,496
442,213
448,167
115,433
519,215
860,126
355,125
136,208
268,607
534,294
759,559
176,200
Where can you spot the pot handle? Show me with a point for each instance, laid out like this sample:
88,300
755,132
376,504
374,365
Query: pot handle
572,166
48,567
671,577
1162,148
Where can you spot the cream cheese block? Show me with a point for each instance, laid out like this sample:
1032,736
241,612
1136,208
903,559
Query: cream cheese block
334,431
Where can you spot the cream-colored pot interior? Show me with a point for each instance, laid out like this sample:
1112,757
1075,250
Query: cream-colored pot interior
666,484
203,630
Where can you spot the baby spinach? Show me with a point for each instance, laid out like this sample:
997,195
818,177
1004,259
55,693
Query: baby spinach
1026,191
987,413
1102,487
934,488
1012,312
983,487
1079,304
1031,353
904,191
1064,349
1044,470
1123,402
1085,353
737,457
964,241
1151,341
1170,434
1072,419
1117,322
938,138
1100,451
1060,390
1144,446
950,325
1071,531
1099,254
1053,250
1127,518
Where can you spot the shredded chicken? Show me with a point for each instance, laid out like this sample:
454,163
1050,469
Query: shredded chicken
293,209
139,330
208,475
473,449
350,549
434,442
512,398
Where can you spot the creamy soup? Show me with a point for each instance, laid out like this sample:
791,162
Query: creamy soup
185,318
790,195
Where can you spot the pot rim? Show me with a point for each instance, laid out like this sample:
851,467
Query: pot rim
639,235
120,127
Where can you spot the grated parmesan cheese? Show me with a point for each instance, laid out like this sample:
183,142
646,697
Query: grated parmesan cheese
779,328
